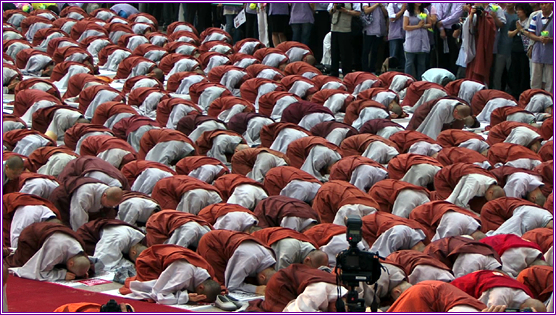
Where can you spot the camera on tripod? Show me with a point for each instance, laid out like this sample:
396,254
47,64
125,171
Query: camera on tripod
356,266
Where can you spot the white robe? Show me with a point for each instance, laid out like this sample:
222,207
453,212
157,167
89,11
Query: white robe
475,145
365,176
204,127
396,238
386,132
468,89
484,116
41,187
113,156
352,210
524,219
252,134
296,223
522,136
115,241
25,216
103,177
421,174
30,143
440,114
134,138
469,187
188,234
313,119
247,196
519,184
85,199
248,260
337,135
408,200
207,173
63,120
512,298
538,103
235,221
426,272
337,244
514,260
380,152
169,151
290,251
468,263
178,112
136,211
194,200
318,159
173,285
285,137
298,189
315,298
56,249
145,182
455,224
369,113
223,144
264,163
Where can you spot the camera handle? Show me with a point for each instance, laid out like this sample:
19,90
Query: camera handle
354,303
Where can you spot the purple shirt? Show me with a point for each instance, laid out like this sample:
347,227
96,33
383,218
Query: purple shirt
127,8
378,26
416,41
448,13
301,13
395,29
278,9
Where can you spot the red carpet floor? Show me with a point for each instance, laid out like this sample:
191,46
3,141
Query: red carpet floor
35,296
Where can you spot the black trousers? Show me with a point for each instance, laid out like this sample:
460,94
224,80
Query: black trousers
341,49
170,13
447,61
251,26
320,29
519,74
203,12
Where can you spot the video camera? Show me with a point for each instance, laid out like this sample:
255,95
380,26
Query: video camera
356,266
338,6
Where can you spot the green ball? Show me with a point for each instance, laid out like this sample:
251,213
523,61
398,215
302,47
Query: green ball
253,6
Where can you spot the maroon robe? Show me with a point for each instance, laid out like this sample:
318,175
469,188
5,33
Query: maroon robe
85,25
454,137
250,88
161,225
95,145
353,79
279,177
373,126
23,57
125,126
174,81
272,210
77,82
547,128
167,63
90,232
357,145
222,104
238,45
272,235
429,214
109,109
11,138
321,80
386,191
133,169
545,170
108,50
343,169
323,233
240,121
56,42
479,68
244,160
24,101
154,136
269,100
40,156
205,59
544,237
197,89
481,98
190,163
29,83
388,77
495,212
322,96
538,279
62,53
226,184
169,191
416,90
129,84
215,74
76,169
400,165
139,95
184,36
447,249
256,68
125,67
379,222
453,155
501,131
190,122
506,152
424,110
204,142
270,132
501,114
405,139
526,96
409,259
448,177
42,118
212,46
324,128
299,149
211,213
61,69
502,242
295,112
300,68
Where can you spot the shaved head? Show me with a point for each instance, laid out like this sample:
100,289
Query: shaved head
494,192
158,74
112,197
537,197
210,288
135,251
396,109
316,259
462,111
310,59
535,304
79,265
15,163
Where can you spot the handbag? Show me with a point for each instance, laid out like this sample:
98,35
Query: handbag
530,49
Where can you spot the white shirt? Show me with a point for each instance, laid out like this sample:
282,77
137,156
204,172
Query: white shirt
248,260
85,199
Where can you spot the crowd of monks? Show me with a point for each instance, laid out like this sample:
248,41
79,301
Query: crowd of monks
194,167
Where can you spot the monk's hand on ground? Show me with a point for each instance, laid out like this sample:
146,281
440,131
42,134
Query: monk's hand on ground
495,309
70,276
194,297
260,289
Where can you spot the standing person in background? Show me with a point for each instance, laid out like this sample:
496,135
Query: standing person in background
342,13
447,48
320,29
169,14
416,21
542,34
498,14
504,56
301,21
278,17
519,68
373,34
202,11
396,34
251,28
230,12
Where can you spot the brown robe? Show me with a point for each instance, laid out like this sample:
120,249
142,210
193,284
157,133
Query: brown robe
386,192
255,69
321,80
434,296
448,177
400,164
192,37
323,95
125,67
72,135
324,128
62,53
501,114
138,96
133,169
272,235
238,45
546,152
77,168
501,131
272,210
335,194
215,74
24,101
168,191
90,232
506,152
11,138
97,144
174,81
209,46
130,83
108,50
109,109
343,169
240,121
479,68
88,95
322,233
447,249
32,19
481,98
416,90
430,213
190,122
11,202
270,132
286,285
125,126
379,222
161,225
226,184
204,59
40,156
526,96
23,56
155,259
544,237
169,61
205,140
405,139
409,259
61,69
279,177
538,279
250,88
454,137
27,84
165,107
353,79
495,212
218,246
453,155
211,213
33,237
42,118
424,110
197,89
244,160
299,149
300,68
269,100
227,102
84,25
190,163
155,136
354,109
56,42
373,126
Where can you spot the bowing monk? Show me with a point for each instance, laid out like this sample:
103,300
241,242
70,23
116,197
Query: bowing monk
13,168
495,288
111,241
464,255
299,288
136,208
359,171
291,182
413,168
172,275
175,227
420,267
143,175
434,296
282,211
256,162
398,197
241,190
185,194
51,160
538,279
203,168
515,253
291,247
43,247
314,155
225,216
237,256
21,210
